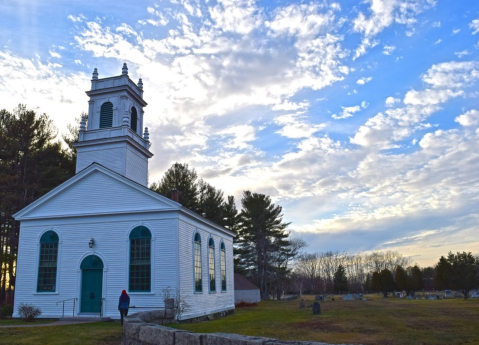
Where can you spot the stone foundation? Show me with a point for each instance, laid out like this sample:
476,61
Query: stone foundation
145,329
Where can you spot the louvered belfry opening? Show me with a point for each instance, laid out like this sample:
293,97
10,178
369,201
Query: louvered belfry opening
134,119
106,115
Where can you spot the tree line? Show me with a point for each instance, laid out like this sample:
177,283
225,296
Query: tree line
382,271
32,162
264,248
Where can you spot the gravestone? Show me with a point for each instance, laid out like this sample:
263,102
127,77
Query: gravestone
319,297
169,303
348,297
316,308
301,304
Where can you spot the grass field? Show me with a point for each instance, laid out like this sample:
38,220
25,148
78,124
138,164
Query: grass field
97,333
10,322
375,322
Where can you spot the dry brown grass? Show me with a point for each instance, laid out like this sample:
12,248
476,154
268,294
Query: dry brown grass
373,322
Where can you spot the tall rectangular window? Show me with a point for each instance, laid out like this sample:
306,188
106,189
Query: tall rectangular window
211,250
223,267
197,245
140,259
47,266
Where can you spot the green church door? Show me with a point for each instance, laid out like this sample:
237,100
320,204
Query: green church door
91,285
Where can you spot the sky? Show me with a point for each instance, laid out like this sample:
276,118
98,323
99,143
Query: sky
359,118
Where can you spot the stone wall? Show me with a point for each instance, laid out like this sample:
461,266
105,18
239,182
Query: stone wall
144,329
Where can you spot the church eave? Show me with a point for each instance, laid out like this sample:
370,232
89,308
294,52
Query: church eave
202,219
100,141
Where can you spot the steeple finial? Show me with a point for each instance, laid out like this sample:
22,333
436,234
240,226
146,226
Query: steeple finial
146,135
83,123
95,74
124,70
140,84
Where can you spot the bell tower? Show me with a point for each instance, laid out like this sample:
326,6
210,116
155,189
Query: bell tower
114,136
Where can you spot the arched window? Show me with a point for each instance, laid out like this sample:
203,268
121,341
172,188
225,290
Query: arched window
211,264
106,115
197,248
140,259
47,266
223,266
134,119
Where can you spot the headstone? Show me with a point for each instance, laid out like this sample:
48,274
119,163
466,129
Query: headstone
318,297
169,303
316,308
448,293
348,297
457,294
409,297
301,304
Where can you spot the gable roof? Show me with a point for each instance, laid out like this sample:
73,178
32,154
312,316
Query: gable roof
67,200
241,283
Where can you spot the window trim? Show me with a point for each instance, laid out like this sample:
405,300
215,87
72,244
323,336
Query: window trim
211,249
223,263
55,285
135,112
194,263
112,115
134,236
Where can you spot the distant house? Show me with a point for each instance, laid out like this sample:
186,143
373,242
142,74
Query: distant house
245,291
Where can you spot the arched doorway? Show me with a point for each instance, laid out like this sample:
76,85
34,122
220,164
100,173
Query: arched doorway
92,284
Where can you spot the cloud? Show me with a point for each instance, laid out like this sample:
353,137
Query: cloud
469,118
430,96
46,88
436,24
474,25
295,126
364,80
438,41
364,104
462,53
388,50
456,31
347,112
390,101
54,54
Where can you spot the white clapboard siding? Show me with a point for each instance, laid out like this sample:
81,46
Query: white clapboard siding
204,303
96,193
99,204
112,245
136,167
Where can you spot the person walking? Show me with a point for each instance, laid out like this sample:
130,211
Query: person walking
123,304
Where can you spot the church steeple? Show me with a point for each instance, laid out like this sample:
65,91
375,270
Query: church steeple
113,136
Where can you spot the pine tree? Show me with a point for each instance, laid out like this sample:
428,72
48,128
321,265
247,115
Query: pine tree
262,238
387,281
180,177
340,280
31,164
442,276
402,280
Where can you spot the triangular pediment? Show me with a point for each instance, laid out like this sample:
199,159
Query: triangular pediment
96,191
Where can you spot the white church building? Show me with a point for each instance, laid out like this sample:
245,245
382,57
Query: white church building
104,231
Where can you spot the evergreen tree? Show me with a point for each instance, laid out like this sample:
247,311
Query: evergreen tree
31,164
198,195
180,177
376,282
262,237
367,287
442,276
387,281
417,281
340,280
402,280
464,272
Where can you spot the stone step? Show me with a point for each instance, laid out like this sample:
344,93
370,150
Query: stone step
84,318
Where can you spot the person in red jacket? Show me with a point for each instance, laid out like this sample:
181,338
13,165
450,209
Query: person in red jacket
123,305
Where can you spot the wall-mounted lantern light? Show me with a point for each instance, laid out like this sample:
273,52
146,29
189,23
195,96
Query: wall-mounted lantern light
91,243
